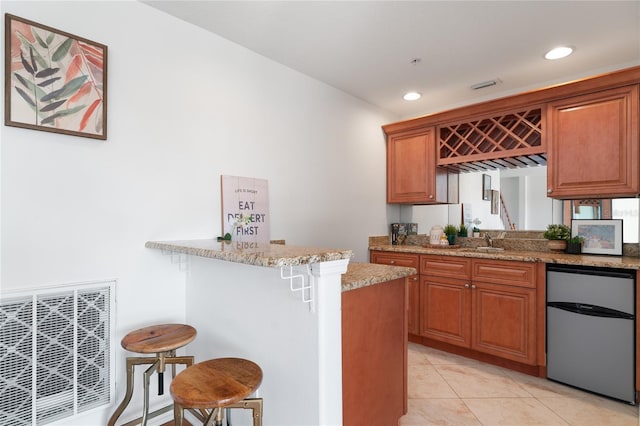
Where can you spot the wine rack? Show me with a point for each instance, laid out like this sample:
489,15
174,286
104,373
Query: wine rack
508,140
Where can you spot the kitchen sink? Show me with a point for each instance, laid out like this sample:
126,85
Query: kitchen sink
489,249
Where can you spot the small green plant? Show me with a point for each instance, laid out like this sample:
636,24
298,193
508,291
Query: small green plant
463,231
577,239
476,229
557,232
450,230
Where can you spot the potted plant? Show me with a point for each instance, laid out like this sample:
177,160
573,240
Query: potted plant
557,234
476,232
574,244
462,231
451,231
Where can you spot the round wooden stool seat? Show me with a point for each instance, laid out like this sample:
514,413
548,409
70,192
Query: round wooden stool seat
216,383
159,338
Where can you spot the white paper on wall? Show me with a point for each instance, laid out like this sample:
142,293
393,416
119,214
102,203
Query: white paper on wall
245,208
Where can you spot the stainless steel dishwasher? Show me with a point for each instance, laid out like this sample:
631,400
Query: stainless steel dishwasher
591,329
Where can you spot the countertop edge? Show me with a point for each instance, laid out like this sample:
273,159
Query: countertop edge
266,255
360,275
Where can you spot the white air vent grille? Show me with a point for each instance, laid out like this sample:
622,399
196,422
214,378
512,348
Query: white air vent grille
55,353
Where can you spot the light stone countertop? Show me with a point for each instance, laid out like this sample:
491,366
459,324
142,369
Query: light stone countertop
257,254
523,256
360,275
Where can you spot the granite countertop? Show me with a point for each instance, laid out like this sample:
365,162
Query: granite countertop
360,275
258,254
523,256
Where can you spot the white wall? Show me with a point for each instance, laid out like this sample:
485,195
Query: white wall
471,192
184,107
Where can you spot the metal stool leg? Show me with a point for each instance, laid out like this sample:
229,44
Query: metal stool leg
145,402
131,363
178,414
253,404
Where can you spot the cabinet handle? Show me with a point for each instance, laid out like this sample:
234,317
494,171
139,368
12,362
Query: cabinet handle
549,191
473,286
392,262
415,278
466,286
431,196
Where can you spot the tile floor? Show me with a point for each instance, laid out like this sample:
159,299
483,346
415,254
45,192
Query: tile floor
446,389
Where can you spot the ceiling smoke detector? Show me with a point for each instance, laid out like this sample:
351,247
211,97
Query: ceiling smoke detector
484,84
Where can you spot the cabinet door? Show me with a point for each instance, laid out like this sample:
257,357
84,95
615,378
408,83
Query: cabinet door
445,312
504,320
413,313
592,143
412,175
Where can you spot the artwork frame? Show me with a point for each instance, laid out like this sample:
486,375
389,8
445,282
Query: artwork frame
54,81
486,187
495,201
601,236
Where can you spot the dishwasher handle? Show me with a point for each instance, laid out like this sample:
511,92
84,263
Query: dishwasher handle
591,310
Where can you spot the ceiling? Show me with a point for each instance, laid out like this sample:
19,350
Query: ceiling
366,48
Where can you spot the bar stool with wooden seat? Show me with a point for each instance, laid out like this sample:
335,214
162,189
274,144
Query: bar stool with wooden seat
161,340
214,386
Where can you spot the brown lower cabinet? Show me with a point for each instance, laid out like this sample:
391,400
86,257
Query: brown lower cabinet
374,354
496,319
487,308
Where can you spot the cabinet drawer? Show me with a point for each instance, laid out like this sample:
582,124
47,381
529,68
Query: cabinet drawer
445,266
522,274
395,259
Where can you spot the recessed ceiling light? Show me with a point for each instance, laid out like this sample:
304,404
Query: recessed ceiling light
559,52
412,96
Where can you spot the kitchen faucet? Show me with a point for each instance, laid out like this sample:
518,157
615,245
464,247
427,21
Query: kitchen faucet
489,239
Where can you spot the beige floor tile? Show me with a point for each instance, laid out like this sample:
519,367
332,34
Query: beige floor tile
437,357
593,410
426,412
425,382
543,388
512,412
497,396
480,381
417,354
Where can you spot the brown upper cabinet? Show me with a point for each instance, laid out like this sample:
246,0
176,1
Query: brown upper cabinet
412,175
586,131
592,145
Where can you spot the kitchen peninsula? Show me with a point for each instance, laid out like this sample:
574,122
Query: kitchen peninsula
280,306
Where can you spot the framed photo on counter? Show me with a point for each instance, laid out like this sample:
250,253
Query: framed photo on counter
603,236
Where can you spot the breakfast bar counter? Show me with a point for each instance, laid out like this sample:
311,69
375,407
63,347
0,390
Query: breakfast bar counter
281,307
251,253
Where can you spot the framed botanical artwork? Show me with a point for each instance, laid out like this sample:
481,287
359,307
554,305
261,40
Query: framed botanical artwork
603,236
54,81
486,187
495,202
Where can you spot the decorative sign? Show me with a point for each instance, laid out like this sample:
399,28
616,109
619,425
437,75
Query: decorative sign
245,208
